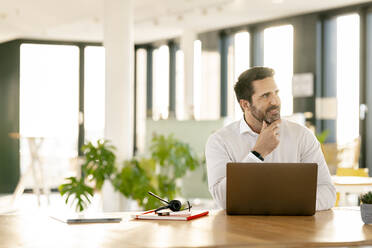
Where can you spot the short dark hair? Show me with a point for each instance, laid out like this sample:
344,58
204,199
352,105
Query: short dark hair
244,87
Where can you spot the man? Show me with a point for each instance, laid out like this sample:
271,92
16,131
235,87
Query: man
262,136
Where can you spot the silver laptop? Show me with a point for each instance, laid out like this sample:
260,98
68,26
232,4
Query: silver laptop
87,218
271,188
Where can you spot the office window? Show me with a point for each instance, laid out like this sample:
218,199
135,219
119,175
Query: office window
161,83
94,93
49,104
241,63
206,83
278,54
197,78
141,83
347,78
180,85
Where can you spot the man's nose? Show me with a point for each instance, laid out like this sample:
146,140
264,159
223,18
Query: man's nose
275,100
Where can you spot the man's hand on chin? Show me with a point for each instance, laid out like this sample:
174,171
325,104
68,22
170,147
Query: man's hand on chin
268,139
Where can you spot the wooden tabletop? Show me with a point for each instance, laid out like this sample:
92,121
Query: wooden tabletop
337,227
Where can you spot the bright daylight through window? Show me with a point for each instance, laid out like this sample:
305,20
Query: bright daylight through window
161,83
278,54
347,78
241,63
49,104
94,93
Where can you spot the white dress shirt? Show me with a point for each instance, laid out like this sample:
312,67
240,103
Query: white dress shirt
234,143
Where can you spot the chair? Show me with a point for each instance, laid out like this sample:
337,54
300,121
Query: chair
35,167
343,160
342,156
350,153
350,172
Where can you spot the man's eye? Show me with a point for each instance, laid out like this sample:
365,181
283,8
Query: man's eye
265,95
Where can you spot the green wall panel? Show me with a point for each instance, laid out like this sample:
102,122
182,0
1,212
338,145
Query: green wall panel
9,115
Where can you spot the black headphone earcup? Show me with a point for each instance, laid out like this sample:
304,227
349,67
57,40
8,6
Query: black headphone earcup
175,205
161,208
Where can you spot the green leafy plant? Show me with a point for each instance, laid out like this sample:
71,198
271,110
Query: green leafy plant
366,198
169,161
322,137
99,165
99,162
79,190
174,158
135,179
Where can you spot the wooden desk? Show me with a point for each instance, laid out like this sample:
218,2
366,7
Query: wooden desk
338,227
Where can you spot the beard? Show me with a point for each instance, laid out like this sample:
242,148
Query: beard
266,115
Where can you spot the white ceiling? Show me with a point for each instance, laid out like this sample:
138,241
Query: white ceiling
82,20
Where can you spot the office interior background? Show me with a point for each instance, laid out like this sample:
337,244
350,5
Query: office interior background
59,71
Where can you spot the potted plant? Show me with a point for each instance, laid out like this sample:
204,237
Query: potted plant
169,161
99,166
366,207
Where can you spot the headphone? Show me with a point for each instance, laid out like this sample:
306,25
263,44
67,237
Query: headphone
174,205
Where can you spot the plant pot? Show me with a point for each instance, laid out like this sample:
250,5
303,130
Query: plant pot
113,201
366,213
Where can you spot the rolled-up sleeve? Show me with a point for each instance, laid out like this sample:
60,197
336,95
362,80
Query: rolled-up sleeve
217,156
312,153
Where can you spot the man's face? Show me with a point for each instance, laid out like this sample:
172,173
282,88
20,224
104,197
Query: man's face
265,104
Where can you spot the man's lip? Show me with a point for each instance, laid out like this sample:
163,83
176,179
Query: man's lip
275,111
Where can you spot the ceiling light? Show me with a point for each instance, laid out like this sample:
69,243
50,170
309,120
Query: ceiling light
3,16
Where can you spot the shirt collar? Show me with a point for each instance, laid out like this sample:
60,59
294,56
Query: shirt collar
244,128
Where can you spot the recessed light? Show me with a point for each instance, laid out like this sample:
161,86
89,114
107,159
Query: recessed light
3,16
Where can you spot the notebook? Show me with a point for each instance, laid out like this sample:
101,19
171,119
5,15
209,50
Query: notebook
182,215
271,188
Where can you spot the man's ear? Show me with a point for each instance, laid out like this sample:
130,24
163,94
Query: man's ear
244,104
